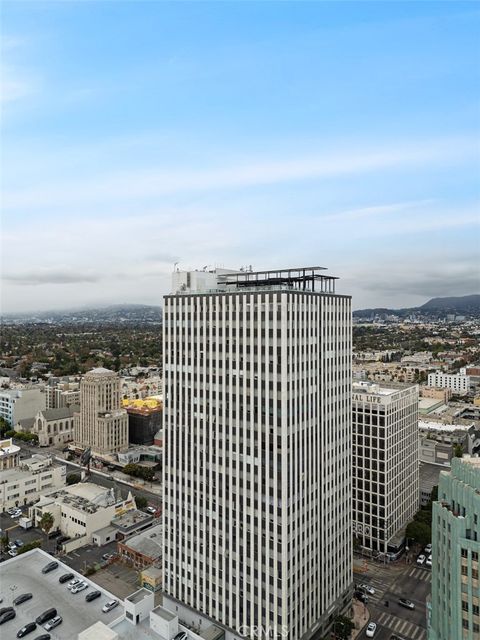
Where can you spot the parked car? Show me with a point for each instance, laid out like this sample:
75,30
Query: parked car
19,543
93,595
65,578
51,566
28,628
16,514
22,598
54,622
151,510
3,609
46,616
111,604
7,615
44,636
79,587
367,588
106,556
406,603
359,595
181,636
370,632
428,561
421,560
428,549
73,582
12,552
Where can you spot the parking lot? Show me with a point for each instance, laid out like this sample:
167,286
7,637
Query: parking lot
19,576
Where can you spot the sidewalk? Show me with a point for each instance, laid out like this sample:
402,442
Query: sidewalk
361,616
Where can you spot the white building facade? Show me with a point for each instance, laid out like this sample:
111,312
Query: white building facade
24,483
257,466
455,382
19,404
385,463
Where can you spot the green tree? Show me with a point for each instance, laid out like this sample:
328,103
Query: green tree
419,531
141,502
343,627
29,546
458,451
46,522
73,478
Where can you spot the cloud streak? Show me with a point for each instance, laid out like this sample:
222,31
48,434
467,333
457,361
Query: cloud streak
153,183
41,277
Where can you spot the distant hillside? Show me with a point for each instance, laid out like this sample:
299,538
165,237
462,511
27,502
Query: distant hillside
118,313
462,305
465,304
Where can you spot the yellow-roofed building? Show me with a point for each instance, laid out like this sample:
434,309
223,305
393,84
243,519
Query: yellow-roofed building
144,419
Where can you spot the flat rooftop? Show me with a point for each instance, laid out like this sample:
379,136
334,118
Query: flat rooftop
149,543
23,574
439,426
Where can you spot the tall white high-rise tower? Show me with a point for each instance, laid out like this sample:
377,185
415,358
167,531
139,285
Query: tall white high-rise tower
258,440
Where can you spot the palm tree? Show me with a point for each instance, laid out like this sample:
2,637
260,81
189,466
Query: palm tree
46,522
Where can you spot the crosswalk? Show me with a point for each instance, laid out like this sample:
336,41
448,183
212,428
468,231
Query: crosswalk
420,574
402,627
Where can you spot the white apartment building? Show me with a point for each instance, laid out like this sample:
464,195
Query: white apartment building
257,466
62,393
455,382
81,509
385,463
101,423
24,483
19,404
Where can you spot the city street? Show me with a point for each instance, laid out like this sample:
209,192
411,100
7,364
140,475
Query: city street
392,582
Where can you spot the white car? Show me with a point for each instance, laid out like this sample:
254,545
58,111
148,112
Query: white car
111,604
12,552
370,632
428,561
421,560
79,587
428,548
151,510
368,589
73,583
15,515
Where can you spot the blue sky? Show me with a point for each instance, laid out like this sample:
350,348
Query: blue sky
135,135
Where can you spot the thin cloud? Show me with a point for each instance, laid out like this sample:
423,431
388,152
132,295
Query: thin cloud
49,277
158,182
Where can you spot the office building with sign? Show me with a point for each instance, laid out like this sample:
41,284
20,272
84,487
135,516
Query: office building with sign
385,465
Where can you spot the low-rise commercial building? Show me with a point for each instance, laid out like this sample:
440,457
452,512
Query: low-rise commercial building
9,454
81,509
25,482
144,549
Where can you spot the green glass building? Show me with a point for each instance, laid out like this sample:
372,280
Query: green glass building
454,607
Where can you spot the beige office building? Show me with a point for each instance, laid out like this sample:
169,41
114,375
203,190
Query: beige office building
101,424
